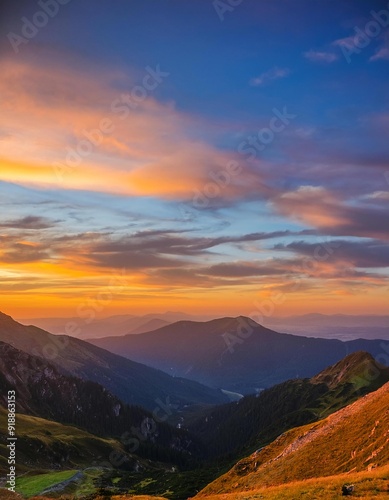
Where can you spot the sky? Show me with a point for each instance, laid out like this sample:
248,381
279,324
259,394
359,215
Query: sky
215,157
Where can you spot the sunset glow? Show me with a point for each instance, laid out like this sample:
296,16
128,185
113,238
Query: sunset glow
221,171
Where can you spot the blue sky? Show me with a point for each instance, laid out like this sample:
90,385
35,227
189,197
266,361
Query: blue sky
265,137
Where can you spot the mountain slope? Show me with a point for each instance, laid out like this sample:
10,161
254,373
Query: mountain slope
289,404
149,325
368,485
235,354
42,391
355,438
44,444
132,382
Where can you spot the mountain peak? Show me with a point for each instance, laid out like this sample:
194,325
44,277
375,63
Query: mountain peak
3,315
357,365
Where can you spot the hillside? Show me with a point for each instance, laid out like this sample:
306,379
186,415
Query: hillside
367,486
235,354
43,392
353,439
44,444
286,405
132,382
271,413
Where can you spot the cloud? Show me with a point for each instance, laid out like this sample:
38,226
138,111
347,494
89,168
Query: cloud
383,52
20,252
321,56
360,254
51,113
268,76
165,248
246,269
347,41
329,213
28,222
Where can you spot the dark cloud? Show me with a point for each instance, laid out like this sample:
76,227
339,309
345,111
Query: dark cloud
153,247
364,221
28,222
333,215
22,252
245,269
360,254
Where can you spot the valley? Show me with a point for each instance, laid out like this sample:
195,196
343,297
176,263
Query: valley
76,439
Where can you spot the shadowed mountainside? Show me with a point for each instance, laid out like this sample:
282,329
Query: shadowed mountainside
132,382
235,354
287,405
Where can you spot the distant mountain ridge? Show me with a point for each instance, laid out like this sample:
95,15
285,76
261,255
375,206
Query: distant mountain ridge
337,326
235,354
88,325
132,382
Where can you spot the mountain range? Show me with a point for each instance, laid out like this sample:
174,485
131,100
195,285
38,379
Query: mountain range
235,354
132,382
337,326
89,325
72,413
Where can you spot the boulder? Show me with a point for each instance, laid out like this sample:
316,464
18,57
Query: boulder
348,489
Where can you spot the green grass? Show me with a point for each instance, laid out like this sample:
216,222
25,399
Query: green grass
60,446
88,485
29,486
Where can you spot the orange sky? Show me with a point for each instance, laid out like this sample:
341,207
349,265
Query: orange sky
159,215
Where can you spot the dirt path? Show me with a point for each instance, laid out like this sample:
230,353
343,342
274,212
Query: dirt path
60,486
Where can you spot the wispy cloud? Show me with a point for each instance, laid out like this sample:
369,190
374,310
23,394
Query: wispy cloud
28,222
318,56
347,41
268,76
382,52
51,112
331,214
360,254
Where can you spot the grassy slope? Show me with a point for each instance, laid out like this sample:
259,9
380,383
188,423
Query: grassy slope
368,485
30,486
42,444
115,497
349,440
284,406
